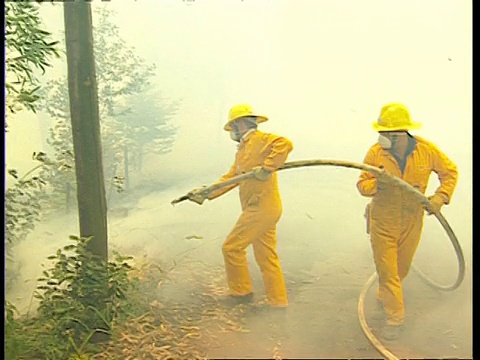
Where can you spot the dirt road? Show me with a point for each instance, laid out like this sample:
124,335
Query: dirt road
322,319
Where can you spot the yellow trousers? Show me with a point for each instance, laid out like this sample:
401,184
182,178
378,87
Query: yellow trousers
393,253
258,228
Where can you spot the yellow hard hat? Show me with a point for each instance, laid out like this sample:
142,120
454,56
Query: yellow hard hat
239,111
394,117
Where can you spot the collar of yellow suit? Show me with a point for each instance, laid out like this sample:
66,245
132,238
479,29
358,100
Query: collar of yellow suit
247,135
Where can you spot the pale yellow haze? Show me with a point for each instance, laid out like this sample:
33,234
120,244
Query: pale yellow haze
319,69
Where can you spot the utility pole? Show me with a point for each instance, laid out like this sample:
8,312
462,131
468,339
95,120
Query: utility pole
82,88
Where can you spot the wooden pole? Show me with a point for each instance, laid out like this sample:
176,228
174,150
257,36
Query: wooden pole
82,88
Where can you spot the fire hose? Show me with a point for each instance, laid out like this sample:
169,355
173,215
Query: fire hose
394,180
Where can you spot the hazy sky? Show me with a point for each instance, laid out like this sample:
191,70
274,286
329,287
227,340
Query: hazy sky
320,70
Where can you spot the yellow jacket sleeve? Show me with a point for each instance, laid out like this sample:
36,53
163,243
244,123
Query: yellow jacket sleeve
280,148
447,173
228,175
367,183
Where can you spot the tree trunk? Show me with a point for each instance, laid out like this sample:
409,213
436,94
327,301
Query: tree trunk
82,88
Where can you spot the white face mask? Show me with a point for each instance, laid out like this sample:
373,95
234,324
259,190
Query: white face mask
235,136
384,142
388,143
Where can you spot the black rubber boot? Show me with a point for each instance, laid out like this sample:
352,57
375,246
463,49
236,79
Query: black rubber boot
236,300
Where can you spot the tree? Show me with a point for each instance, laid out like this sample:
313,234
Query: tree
148,123
28,49
127,126
82,90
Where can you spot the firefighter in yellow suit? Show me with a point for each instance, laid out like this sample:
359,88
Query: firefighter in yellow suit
260,203
395,217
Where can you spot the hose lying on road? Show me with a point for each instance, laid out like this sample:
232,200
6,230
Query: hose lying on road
395,180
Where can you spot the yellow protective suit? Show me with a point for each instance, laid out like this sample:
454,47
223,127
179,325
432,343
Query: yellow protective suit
261,209
396,217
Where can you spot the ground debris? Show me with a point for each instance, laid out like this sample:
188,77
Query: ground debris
175,329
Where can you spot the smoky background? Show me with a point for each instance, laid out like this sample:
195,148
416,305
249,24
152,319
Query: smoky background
321,72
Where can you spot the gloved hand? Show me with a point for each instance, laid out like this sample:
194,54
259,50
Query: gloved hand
198,195
436,203
260,173
382,180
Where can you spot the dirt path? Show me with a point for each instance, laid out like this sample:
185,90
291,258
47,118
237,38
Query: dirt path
322,320
326,266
